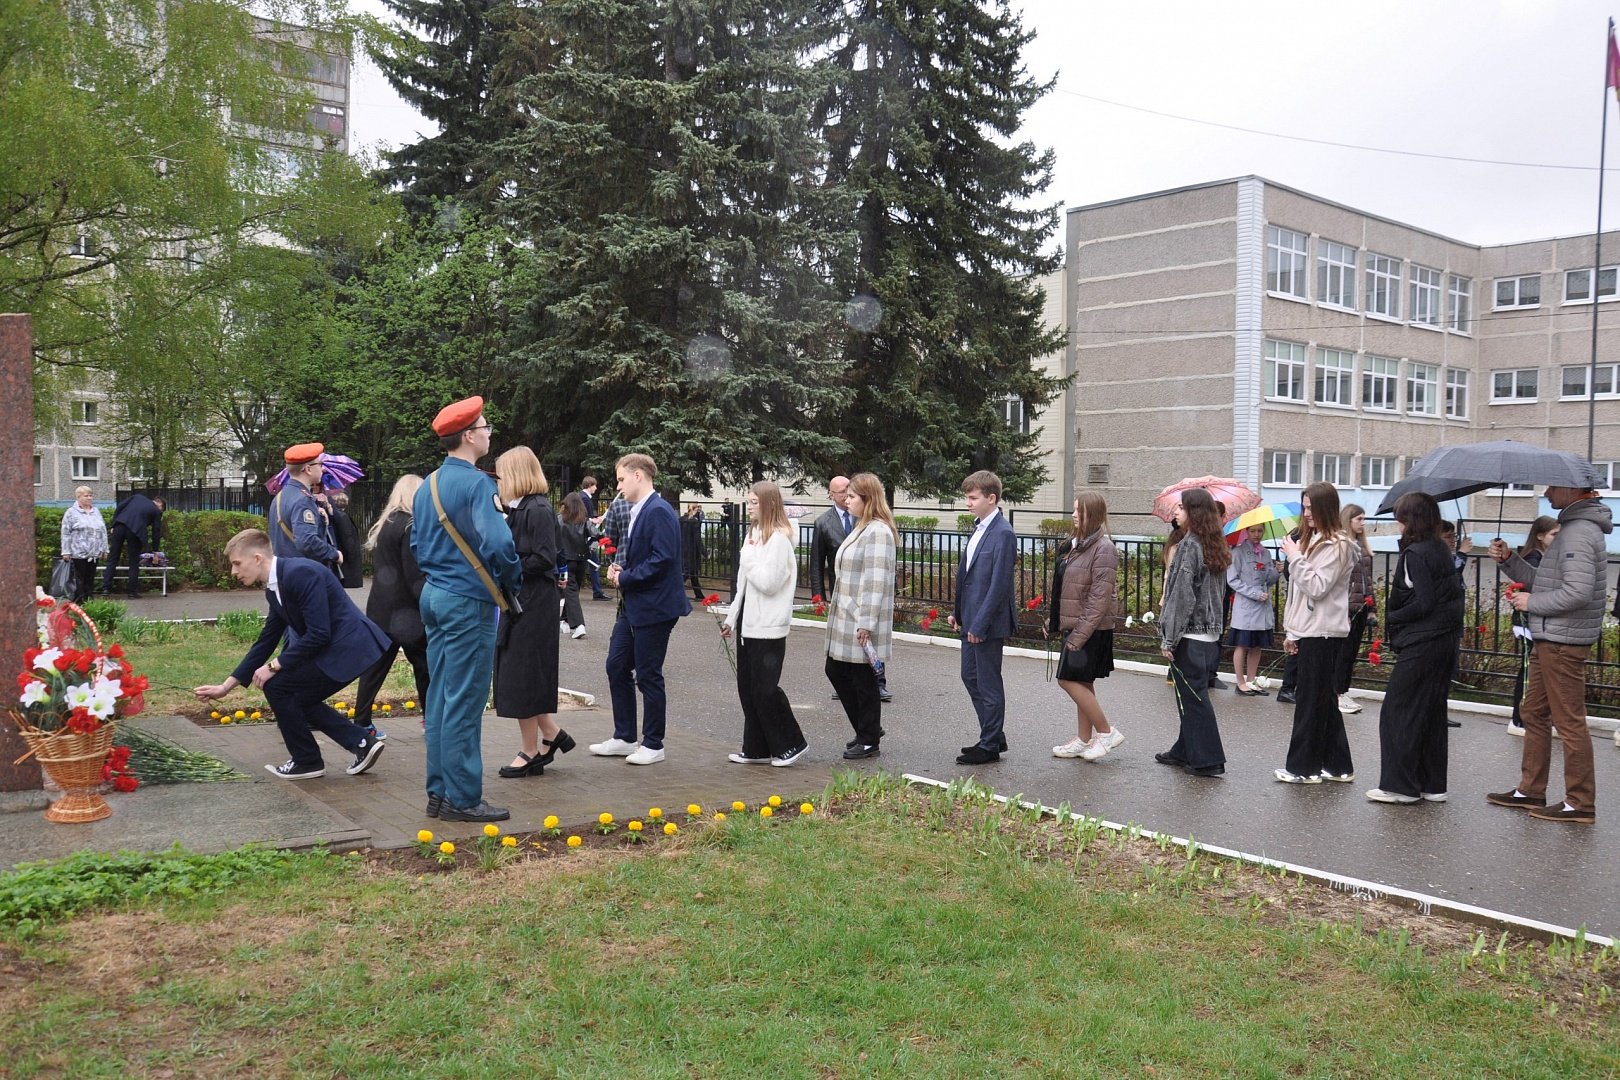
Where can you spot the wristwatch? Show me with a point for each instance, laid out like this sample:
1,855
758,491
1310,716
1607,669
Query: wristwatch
275,665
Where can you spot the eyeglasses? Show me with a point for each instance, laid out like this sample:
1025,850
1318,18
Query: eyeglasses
483,427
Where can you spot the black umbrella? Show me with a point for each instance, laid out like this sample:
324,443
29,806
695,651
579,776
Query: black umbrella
1454,471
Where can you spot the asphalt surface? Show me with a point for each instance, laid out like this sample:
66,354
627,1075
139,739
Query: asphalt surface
1463,850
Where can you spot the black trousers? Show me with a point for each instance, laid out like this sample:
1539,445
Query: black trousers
119,539
572,613
371,681
1412,740
1199,742
857,689
769,727
1351,651
298,696
84,579
1319,743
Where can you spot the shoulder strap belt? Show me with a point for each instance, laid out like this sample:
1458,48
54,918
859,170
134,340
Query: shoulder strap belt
275,512
466,551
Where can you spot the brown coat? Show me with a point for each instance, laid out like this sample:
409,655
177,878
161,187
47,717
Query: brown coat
1090,600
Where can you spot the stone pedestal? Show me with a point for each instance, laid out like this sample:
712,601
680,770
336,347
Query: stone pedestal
19,784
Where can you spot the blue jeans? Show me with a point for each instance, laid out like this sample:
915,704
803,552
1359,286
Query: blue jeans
461,661
635,661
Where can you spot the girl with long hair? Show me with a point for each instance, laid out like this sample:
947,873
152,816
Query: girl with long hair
1084,609
396,588
526,644
1190,633
760,616
1424,623
860,613
573,549
1317,620
1360,602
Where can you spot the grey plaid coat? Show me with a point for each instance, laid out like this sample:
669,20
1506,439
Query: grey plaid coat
863,593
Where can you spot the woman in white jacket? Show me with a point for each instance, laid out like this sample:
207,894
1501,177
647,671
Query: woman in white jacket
760,617
1317,620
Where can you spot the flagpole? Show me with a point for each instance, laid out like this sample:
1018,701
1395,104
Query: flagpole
1609,75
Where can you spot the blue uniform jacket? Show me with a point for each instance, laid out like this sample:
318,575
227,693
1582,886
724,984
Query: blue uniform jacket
471,503
293,510
985,606
320,623
140,515
651,579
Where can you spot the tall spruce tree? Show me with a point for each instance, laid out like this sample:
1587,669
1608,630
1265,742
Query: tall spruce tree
455,74
674,191
945,311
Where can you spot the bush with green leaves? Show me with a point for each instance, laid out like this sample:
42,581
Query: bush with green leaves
194,542
921,524
243,626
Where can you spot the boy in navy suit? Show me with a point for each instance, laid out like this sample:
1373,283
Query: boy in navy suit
328,643
985,613
647,572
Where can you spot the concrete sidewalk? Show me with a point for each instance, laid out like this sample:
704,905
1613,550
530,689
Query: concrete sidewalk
1462,850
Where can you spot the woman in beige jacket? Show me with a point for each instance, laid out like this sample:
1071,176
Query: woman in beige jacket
1317,621
1084,605
860,617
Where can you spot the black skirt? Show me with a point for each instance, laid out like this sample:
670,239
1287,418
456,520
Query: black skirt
1091,661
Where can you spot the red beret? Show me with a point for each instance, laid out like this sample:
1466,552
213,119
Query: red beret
458,417
304,453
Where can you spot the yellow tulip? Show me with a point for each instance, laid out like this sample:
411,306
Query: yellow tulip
765,811
670,828
574,841
806,808
424,837
509,841
448,848
551,821
655,813
776,800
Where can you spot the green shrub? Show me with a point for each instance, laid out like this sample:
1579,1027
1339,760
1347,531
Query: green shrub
966,523
1056,526
106,614
243,626
194,541
921,524
139,631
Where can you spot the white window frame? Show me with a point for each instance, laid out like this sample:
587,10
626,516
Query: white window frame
1517,284
39,471
1337,475
1457,388
1459,304
1382,295
1288,263
1606,282
1608,475
1611,372
1383,466
86,413
1294,361
1423,296
1386,370
1335,372
1335,274
1422,389
1293,463
1519,383
1015,413
81,246
86,467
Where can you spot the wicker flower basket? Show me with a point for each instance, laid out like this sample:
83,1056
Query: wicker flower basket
74,761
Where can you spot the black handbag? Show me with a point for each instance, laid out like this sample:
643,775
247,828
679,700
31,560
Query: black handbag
61,585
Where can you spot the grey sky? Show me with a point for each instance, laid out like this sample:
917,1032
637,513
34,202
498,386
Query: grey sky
1511,80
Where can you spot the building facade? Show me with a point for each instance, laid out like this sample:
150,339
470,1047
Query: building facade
1244,328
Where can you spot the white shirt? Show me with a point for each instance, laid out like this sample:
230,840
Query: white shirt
978,535
273,583
635,511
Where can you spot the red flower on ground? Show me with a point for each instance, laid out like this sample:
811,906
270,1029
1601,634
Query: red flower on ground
1375,658
933,613
1034,602
927,621
125,783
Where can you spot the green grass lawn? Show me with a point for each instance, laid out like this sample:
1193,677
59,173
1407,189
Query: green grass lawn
898,935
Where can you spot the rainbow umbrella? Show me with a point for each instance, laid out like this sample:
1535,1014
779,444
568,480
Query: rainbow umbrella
1278,519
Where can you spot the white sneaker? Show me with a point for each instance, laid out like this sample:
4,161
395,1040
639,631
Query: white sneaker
1434,796
1378,794
1074,748
562,626
646,755
1617,738
1101,743
1338,778
578,632
742,759
1287,777
614,748
1518,729
1348,704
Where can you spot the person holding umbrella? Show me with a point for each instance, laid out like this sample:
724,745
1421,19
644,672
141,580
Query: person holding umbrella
1563,600
1317,620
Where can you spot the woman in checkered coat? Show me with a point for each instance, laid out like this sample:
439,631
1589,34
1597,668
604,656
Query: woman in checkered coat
860,620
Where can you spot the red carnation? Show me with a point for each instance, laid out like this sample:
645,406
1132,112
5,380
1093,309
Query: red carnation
1375,658
125,783
45,603
1259,566
711,599
116,651
24,679
82,722
82,664
816,599
933,613
1480,628
64,661
1368,602
927,621
1034,602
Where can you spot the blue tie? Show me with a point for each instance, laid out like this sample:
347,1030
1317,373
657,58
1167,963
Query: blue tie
849,526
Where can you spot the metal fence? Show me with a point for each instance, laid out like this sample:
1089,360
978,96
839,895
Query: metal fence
926,581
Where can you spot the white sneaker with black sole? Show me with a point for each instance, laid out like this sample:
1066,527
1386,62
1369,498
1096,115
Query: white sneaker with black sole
366,756
289,770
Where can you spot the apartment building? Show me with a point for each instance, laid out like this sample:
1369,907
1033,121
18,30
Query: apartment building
1249,329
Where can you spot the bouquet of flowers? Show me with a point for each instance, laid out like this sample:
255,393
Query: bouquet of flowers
709,603
70,694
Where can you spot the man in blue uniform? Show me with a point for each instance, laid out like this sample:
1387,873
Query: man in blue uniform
647,573
463,545
328,643
297,526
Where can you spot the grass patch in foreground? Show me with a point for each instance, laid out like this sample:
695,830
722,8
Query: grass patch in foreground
899,935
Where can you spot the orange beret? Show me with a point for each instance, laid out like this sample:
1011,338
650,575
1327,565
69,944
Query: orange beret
304,453
458,417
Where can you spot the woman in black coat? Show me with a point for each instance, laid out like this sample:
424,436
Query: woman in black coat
692,549
1423,625
347,537
396,587
526,643
573,549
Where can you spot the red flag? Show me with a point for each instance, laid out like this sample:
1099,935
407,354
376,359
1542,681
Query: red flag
1614,63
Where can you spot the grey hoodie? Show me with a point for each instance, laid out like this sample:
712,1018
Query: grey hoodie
1566,591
